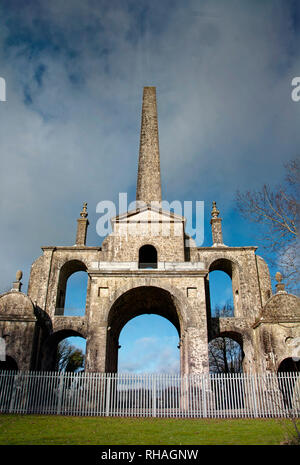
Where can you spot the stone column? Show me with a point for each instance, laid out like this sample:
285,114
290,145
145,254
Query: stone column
96,350
96,342
197,346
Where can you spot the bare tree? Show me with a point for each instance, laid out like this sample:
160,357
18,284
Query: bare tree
225,354
276,211
69,358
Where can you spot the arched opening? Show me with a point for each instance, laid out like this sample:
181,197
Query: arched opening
225,353
76,290
8,364
224,289
221,297
63,351
72,289
289,381
7,385
148,344
147,256
289,365
133,303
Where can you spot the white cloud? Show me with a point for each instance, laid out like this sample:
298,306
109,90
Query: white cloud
151,355
147,341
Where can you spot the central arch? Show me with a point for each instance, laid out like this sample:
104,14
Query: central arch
132,303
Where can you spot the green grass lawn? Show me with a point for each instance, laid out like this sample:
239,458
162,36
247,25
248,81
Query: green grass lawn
60,430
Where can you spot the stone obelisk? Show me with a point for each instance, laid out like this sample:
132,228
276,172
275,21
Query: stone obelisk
148,181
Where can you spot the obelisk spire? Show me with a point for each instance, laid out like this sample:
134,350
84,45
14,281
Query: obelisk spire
148,181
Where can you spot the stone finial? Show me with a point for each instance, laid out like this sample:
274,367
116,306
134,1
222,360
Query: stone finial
216,226
148,180
84,212
214,212
82,225
280,287
17,284
19,275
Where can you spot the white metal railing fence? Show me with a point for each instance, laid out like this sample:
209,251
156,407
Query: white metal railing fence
239,395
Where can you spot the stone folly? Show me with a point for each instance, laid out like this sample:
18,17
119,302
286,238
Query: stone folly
135,274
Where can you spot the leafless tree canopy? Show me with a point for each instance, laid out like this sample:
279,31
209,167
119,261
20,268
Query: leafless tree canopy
277,212
225,354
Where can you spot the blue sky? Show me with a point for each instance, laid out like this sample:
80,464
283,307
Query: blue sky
69,130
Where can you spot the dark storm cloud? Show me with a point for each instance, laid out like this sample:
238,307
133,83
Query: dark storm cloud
70,127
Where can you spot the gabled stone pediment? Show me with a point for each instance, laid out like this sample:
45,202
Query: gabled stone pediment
148,213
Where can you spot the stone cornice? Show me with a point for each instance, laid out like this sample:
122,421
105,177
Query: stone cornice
17,318
74,248
147,273
224,247
275,321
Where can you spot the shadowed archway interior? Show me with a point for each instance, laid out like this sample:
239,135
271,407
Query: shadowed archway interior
138,301
289,365
8,364
147,256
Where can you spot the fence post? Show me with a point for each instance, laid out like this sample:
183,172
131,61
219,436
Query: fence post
154,396
60,393
14,393
254,395
107,397
204,402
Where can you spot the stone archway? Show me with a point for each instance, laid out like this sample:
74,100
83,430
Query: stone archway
289,365
289,381
135,302
226,352
232,269
49,349
8,364
67,270
147,256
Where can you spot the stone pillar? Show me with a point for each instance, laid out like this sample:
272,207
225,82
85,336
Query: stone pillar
82,225
183,347
249,360
96,342
216,226
197,347
96,350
